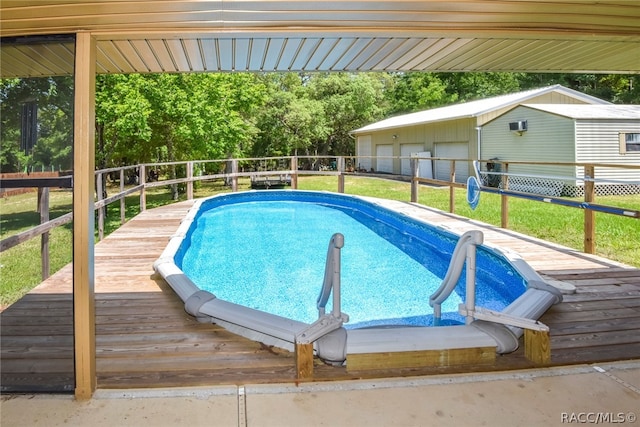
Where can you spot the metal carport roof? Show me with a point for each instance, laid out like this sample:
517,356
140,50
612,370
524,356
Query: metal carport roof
470,109
332,35
117,36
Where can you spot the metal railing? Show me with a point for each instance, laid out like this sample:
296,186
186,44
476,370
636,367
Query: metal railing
331,280
463,254
331,285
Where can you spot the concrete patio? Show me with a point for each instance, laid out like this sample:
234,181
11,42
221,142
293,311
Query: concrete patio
607,393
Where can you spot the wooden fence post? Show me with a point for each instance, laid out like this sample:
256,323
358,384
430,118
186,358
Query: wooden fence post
123,207
38,199
142,180
504,199
234,175
340,166
452,189
43,208
101,210
294,172
414,179
189,180
589,214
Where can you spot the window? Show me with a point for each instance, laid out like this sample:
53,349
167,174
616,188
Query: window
630,143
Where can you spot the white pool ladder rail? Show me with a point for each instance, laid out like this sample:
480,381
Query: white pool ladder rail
331,285
464,253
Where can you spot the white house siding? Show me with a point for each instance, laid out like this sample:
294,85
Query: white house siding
549,138
597,141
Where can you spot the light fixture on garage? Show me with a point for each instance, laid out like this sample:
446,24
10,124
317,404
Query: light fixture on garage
394,136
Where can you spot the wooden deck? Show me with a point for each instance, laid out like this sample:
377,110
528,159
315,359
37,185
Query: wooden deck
145,339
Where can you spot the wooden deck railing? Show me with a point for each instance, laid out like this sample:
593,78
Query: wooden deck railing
137,178
587,176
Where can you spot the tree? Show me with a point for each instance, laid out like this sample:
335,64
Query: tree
624,89
416,91
616,88
54,99
230,103
176,117
122,120
200,116
349,101
290,123
471,86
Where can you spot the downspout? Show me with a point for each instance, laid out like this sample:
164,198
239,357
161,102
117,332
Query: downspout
479,138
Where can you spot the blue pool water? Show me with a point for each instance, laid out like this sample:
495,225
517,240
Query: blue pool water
267,250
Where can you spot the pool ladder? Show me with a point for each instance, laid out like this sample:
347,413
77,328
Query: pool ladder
327,322
464,252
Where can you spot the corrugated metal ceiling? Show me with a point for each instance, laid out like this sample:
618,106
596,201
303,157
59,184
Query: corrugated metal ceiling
200,35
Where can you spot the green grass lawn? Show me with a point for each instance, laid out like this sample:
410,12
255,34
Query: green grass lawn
617,238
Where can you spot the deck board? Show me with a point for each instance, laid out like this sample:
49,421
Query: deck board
144,338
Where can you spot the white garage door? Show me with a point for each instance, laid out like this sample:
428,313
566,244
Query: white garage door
452,150
364,150
425,167
384,160
405,151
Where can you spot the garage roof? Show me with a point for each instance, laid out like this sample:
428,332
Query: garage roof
472,108
355,35
581,111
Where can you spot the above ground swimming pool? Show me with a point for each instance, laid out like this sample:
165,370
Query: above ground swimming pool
259,258
269,254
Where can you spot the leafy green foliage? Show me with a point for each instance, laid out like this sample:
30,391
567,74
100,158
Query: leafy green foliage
349,101
418,91
54,98
122,120
289,122
313,114
203,116
472,86
144,118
